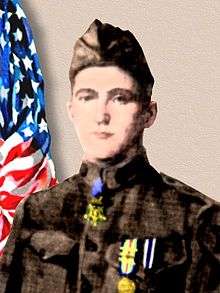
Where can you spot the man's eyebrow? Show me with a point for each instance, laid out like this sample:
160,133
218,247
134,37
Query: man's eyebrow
121,91
87,90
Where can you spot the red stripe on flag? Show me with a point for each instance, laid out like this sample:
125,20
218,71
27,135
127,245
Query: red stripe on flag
11,201
24,175
21,150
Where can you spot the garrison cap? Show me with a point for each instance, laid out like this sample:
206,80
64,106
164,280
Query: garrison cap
104,44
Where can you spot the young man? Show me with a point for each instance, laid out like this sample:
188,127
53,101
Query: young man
118,225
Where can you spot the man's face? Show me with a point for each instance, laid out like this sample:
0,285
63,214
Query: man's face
105,111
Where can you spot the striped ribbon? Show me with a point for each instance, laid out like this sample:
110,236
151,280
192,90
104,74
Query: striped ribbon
149,249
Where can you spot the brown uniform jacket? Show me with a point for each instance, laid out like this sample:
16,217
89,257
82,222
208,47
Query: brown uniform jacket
51,248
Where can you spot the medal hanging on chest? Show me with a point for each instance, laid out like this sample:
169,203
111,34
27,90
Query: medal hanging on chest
95,209
127,265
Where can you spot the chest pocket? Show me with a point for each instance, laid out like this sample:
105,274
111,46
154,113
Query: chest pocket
47,260
169,267
49,244
169,251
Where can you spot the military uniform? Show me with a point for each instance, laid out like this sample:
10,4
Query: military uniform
53,249
114,228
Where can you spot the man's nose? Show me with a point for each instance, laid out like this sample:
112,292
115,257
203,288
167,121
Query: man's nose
102,114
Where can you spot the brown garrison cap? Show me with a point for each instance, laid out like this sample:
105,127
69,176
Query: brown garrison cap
103,44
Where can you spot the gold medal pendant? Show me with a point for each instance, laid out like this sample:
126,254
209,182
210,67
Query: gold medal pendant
126,285
128,250
95,212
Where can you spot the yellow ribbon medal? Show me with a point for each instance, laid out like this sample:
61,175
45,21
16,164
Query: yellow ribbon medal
126,285
127,265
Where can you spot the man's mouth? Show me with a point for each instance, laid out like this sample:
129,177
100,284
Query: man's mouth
102,134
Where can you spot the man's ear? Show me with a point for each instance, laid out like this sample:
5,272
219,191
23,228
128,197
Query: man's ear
69,108
150,114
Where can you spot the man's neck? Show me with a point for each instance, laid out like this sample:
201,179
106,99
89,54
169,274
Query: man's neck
119,158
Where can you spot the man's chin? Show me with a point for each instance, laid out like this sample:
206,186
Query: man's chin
99,156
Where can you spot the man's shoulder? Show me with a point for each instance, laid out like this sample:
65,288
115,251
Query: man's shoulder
182,201
70,184
49,202
184,191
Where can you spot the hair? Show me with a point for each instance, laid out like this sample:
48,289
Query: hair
143,93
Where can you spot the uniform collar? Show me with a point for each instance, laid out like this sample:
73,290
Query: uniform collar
118,174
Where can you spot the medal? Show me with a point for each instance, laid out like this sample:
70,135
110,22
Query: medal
126,285
127,265
95,210
127,256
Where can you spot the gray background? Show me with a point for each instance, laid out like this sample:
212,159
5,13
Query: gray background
181,44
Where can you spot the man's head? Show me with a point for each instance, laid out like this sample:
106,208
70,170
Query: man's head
111,87
103,45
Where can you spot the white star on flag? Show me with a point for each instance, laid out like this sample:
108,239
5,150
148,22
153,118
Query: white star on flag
4,92
9,14
27,63
18,35
20,12
1,13
2,41
32,48
16,60
27,131
43,126
35,85
27,102
39,72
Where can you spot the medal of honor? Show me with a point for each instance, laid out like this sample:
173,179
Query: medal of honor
95,210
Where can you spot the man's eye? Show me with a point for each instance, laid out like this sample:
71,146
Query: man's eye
86,98
121,99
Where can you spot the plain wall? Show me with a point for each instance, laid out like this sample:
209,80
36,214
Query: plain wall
181,43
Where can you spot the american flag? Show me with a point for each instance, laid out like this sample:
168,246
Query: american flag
25,160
